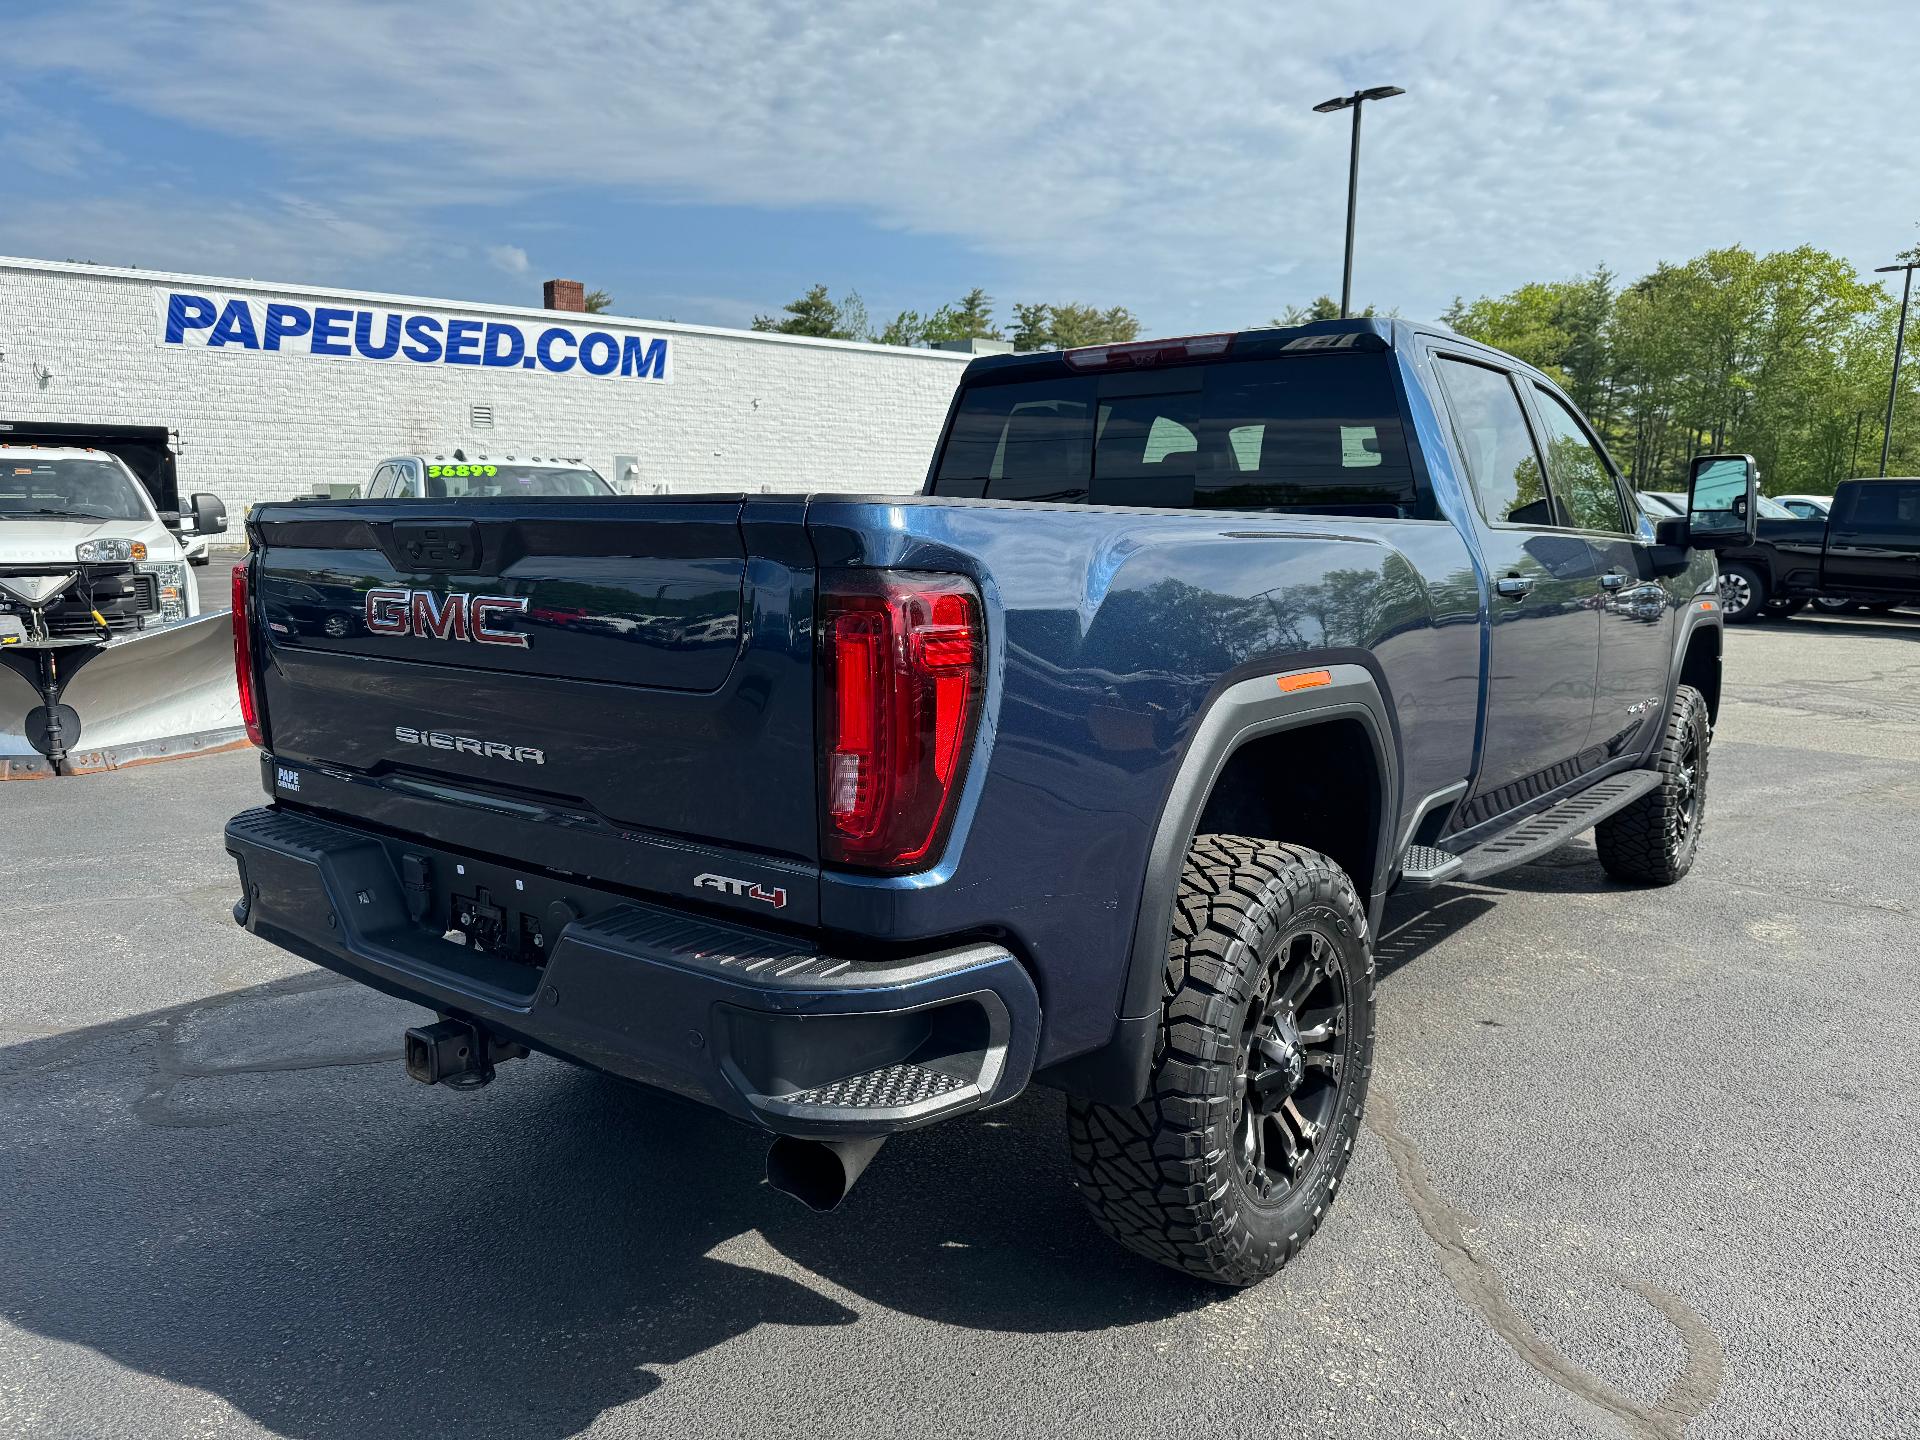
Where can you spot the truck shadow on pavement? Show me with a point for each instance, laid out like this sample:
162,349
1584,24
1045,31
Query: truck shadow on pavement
243,1196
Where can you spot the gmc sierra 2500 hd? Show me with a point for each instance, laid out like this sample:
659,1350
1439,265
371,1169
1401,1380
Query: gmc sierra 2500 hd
1092,765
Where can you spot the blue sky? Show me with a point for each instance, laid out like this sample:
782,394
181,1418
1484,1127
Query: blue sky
704,161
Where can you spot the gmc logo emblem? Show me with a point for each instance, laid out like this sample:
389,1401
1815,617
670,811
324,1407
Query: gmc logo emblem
433,616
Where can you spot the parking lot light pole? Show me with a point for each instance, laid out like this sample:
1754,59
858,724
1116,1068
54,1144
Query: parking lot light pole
1899,344
1353,102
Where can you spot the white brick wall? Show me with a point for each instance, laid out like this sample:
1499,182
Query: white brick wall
743,411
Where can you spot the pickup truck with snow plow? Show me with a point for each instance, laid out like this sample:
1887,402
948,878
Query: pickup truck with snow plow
1092,765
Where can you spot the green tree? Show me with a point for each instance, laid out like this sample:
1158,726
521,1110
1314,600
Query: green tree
1321,307
1069,326
909,327
1032,327
598,302
1559,327
817,313
968,318
1783,356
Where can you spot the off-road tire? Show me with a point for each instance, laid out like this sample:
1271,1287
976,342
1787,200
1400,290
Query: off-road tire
1653,841
1737,581
1166,1177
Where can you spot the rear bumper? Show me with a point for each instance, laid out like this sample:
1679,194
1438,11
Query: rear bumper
768,1027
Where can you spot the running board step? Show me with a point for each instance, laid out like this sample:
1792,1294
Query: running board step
1424,866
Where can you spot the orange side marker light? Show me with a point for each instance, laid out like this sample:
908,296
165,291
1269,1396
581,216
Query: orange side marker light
1305,680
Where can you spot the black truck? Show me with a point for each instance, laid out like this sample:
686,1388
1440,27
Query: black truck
1092,765
1865,552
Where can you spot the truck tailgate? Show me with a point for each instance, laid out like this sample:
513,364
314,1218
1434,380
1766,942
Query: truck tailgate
634,673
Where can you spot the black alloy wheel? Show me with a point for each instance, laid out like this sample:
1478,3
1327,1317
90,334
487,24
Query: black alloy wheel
1291,1054
1229,1162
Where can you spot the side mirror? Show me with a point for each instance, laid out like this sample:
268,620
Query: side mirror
1670,553
209,514
171,519
1722,495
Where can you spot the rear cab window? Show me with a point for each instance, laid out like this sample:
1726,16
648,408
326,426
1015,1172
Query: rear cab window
1316,432
477,479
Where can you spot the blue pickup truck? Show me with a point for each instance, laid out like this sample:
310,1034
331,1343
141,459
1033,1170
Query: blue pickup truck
1091,765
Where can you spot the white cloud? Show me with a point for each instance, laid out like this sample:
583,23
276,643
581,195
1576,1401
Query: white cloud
277,238
509,258
52,144
1160,155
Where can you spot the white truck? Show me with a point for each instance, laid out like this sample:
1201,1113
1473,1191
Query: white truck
83,551
455,477
97,604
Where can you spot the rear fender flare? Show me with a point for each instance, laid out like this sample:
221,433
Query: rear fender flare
1245,711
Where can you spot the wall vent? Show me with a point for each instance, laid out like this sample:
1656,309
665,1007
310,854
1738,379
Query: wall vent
481,417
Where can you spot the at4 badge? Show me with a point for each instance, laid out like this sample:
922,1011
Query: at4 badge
742,889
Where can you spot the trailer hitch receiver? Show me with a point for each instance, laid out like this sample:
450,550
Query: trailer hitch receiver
456,1053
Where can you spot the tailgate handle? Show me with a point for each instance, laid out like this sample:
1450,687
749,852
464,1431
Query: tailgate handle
437,544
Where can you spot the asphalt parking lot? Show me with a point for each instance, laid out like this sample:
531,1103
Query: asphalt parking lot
1636,1163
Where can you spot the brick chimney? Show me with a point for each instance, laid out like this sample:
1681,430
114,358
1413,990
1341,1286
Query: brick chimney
564,295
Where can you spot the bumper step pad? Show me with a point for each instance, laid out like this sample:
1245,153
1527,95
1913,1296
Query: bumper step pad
1425,866
882,1089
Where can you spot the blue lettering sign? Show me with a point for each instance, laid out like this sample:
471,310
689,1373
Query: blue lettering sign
599,353
505,344
363,336
390,336
284,321
653,362
188,312
235,327
330,332
558,364
463,342
424,332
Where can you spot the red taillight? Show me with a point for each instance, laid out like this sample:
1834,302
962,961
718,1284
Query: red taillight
243,673
900,657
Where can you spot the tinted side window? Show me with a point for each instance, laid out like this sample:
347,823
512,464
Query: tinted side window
1883,509
1492,431
1020,442
1582,480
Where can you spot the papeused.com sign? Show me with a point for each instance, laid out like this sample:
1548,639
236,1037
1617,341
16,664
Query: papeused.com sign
246,325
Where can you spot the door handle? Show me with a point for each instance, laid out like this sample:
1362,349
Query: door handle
1612,580
1514,587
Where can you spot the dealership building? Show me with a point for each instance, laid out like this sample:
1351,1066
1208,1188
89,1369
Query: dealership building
275,390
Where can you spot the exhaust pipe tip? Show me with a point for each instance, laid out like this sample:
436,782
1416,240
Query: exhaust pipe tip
819,1173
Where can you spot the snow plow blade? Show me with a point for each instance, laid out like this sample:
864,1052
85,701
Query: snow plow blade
154,696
